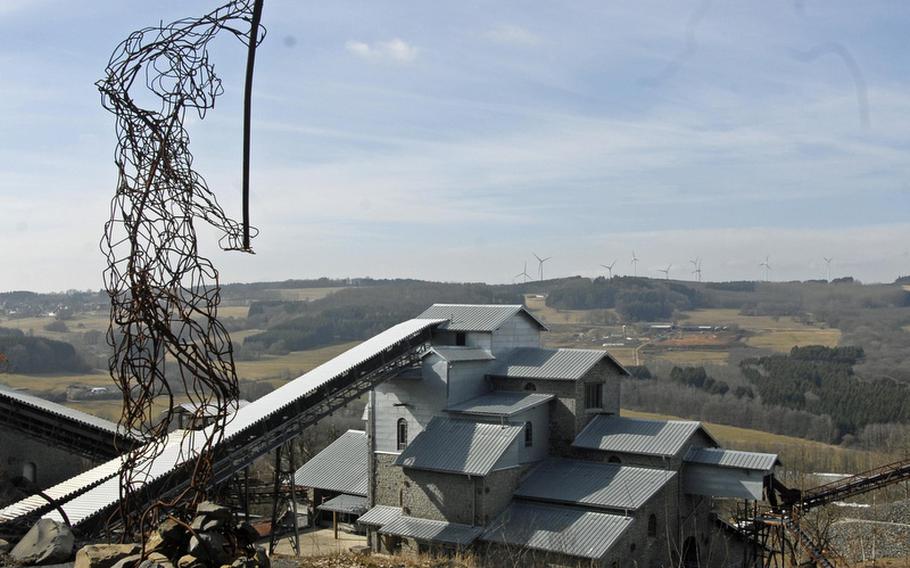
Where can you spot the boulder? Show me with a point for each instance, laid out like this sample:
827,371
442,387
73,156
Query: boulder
4,546
202,524
262,558
246,534
190,561
210,548
128,562
172,532
47,542
211,510
103,555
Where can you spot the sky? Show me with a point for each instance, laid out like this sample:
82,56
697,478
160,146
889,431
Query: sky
453,140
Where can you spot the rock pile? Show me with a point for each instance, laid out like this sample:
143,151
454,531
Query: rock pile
47,542
214,539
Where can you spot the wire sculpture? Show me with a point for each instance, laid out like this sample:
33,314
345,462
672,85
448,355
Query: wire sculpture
164,331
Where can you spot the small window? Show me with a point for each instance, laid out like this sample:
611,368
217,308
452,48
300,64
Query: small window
30,471
594,394
461,338
530,387
402,434
529,435
652,525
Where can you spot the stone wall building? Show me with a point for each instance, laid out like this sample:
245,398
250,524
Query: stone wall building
519,454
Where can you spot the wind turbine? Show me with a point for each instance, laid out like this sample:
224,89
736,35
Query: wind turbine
666,271
609,268
696,264
523,273
634,264
540,262
828,268
767,266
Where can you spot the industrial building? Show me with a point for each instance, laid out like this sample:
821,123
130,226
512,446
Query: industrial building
490,443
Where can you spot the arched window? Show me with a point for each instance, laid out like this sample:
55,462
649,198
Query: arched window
652,525
530,387
30,471
614,459
402,433
529,435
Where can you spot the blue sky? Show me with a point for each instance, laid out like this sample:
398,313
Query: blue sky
450,140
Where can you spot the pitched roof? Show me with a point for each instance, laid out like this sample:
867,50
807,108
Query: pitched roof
341,467
732,458
379,515
71,414
537,363
476,317
501,403
637,436
430,530
593,484
563,530
350,504
458,446
454,354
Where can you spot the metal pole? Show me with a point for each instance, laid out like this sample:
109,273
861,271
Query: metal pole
247,113
293,483
275,490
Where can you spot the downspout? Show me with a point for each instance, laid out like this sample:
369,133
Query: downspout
371,444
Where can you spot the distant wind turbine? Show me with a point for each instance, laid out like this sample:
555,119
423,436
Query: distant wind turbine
827,268
524,273
634,264
767,266
696,264
666,270
540,262
609,268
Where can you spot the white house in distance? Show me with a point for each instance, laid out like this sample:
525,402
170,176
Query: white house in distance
519,453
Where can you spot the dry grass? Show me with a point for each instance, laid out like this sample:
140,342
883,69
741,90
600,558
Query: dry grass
538,306
299,294
783,341
57,383
690,357
89,321
348,560
777,334
279,369
233,311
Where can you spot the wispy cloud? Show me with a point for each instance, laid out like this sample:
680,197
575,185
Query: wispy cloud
395,49
512,34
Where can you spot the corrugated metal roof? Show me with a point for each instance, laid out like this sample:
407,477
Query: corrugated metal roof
179,450
433,531
379,515
60,410
593,484
341,467
501,403
537,363
455,354
551,528
350,504
458,446
732,458
476,317
211,409
637,436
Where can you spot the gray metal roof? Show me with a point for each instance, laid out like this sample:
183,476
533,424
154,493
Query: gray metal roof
105,484
433,531
551,528
455,354
593,484
501,403
210,410
732,458
637,436
60,410
537,363
458,446
379,515
476,317
350,504
341,467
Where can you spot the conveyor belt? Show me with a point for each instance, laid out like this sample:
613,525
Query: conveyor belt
254,430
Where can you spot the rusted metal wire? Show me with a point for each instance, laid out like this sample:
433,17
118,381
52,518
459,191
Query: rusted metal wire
165,334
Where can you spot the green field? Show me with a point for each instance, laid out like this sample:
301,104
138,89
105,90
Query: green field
776,334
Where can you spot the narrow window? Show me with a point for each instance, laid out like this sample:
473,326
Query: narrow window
530,387
594,393
529,435
652,525
461,338
30,471
402,434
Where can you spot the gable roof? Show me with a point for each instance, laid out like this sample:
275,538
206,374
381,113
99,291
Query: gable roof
563,530
454,354
601,485
558,364
458,446
341,467
638,436
431,530
732,458
501,403
477,317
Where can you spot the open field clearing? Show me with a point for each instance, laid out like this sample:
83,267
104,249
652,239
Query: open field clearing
110,409
538,306
776,334
279,369
298,294
233,311
237,337
689,357
90,321
56,383
784,340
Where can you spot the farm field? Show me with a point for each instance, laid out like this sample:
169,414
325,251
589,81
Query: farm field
298,294
55,383
551,316
279,369
690,357
776,334
90,321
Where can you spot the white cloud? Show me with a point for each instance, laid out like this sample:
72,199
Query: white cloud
512,35
395,49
